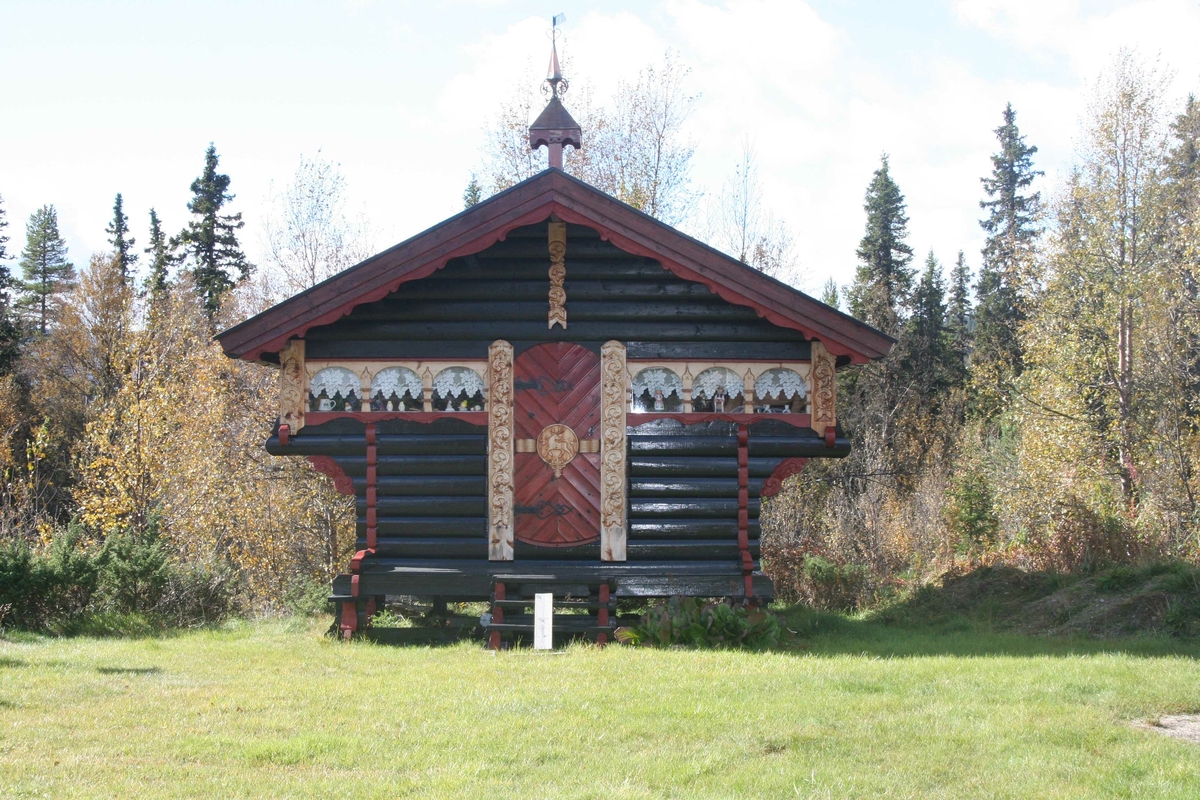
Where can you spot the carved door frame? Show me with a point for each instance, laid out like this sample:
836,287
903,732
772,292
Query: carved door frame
501,445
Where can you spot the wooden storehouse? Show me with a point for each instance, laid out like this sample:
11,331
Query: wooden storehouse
553,391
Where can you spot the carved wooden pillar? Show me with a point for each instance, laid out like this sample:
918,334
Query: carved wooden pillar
748,391
558,273
612,452
824,389
686,377
364,392
427,390
500,451
293,388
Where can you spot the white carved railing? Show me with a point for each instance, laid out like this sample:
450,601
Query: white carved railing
770,387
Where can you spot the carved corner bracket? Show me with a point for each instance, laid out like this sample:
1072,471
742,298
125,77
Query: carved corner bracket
500,451
558,274
327,466
784,470
612,452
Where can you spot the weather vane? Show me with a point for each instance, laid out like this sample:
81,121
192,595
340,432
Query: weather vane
558,84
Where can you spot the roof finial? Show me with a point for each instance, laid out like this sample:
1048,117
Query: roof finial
554,127
554,73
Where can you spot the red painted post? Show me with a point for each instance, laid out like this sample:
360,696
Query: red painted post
602,615
349,621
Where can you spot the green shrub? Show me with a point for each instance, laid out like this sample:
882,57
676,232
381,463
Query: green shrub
128,584
307,597
1118,579
1082,539
694,622
37,589
834,587
970,512
198,593
20,585
134,570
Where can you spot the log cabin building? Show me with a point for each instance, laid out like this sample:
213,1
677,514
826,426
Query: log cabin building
552,391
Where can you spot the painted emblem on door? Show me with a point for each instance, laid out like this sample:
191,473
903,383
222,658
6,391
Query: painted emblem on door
557,445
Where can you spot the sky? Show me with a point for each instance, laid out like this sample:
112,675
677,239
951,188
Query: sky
104,97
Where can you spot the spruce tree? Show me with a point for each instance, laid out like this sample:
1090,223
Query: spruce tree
958,314
210,239
10,328
160,258
47,272
473,193
927,355
121,241
3,232
883,281
829,294
1011,226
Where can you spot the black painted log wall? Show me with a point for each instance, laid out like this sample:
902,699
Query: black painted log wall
501,293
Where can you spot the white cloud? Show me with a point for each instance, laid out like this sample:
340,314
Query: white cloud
402,104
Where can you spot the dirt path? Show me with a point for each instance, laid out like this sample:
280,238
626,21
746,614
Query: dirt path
1184,726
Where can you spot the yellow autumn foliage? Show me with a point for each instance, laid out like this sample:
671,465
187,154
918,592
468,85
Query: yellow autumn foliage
181,436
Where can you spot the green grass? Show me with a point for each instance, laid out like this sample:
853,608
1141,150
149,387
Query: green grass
862,709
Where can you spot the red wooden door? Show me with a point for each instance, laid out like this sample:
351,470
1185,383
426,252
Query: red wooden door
556,425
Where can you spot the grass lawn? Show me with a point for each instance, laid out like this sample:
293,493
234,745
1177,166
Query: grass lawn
860,709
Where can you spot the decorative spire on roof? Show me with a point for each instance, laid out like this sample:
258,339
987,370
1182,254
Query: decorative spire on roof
555,127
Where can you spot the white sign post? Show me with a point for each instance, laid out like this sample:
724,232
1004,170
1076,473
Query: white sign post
543,621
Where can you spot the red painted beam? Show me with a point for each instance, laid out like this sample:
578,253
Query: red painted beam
602,614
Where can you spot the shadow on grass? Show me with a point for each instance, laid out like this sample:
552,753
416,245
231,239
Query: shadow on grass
107,625
129,670
1150,610
828,634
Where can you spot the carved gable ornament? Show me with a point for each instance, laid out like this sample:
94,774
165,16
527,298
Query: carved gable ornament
558,274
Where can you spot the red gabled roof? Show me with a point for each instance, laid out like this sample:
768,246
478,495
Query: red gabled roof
531,201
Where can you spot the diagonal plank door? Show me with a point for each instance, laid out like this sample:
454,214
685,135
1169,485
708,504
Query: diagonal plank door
557,383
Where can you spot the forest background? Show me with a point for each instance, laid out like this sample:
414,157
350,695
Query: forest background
1040,409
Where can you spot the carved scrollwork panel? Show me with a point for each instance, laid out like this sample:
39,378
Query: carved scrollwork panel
612,452
500,451
824,399
558,274
292,399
